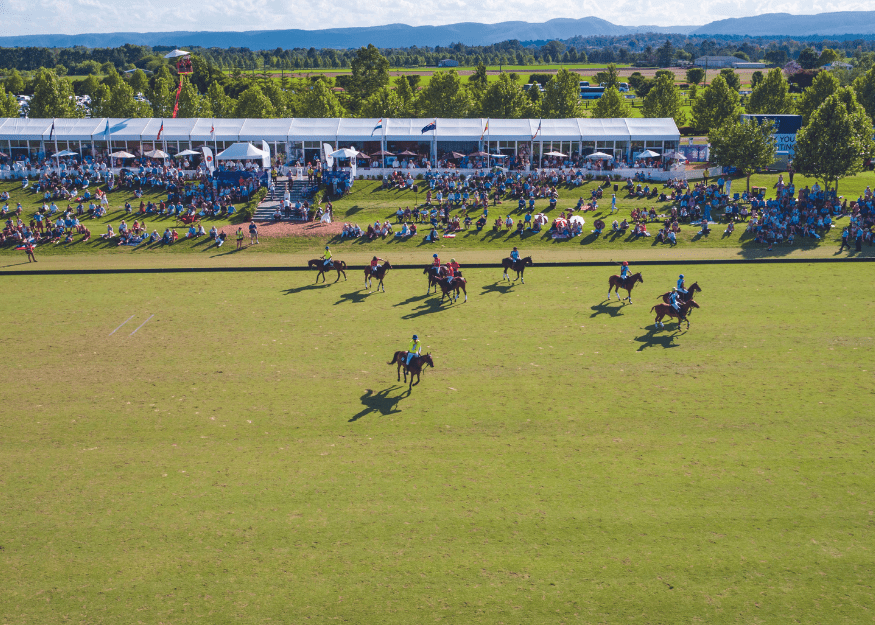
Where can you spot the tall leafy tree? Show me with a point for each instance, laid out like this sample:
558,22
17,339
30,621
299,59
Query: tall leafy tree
695,75
320,101
370,72
732,79
14,82
445,96
8,104
771,95
665,54
717,105
824,85
277,98
121,103
664,100
139,82
161,96
505,99
835,141
611,105
221,105
745,144
561,97
192,103
253,103
53,97
385,103
864,86
808,59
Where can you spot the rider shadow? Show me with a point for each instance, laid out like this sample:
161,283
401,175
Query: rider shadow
431,306
497,287
380,403
356,297
607,309
306,287
654,338
411,300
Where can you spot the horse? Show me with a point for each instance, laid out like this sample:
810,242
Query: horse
338,265
616,283
379,274
434,277
417,364
517,265
694,288
663,310
452,288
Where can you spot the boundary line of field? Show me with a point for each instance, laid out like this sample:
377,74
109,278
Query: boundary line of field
594,263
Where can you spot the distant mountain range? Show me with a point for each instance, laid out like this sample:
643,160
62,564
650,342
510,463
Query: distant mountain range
470,33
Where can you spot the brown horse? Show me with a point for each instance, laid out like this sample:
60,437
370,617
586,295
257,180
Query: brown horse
694,288
663,310
616,283
452,287
434,276
516,265
379,274
337,265
417,364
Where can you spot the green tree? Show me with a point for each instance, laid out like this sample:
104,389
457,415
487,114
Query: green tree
479,78
808,59
112,78
370,72
385,103
665,54
320,101
732,79
771,96
192,103
139,82
161,96
14,82
610,77
664,100
221,105
695,75
53,97
60,70
254,104
277,98
824,85
717,105
121,103
404,89
745,144
8,104
611,105
864,86
828,56
445,96
835,141
756,78
561,98
505,99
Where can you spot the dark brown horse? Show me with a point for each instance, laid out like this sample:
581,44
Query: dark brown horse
417,364
616,283
694,288
434,276
451,288
379,274
516,265
666,310
337,265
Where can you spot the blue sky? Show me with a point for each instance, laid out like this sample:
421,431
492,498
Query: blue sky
26,17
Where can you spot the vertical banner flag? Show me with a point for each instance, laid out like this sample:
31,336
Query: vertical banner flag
208,159
160,130
377,127
538,131
485,130
265,160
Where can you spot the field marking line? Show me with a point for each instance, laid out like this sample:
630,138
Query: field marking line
123,323
141,325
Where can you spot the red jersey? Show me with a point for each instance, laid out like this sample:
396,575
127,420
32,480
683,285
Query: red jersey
374,262
437,262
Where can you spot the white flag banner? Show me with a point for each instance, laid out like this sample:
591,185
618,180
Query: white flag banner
208,159
265,160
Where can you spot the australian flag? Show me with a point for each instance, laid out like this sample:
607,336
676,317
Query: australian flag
431,126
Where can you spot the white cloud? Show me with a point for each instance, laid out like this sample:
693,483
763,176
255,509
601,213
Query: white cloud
25,17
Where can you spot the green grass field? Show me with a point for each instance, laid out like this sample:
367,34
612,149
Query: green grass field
247,455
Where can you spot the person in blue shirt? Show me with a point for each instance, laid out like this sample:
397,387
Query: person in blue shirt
514,255
624,271
674,300
681,288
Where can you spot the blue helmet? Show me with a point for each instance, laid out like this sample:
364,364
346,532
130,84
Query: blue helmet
326,247
681,276
415,338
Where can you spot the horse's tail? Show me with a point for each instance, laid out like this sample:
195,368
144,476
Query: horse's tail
394,358
343,264
651,310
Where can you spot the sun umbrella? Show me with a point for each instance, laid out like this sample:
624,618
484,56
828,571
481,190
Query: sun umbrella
541,218
648,154
122,154
456,155
65,153
498,155
479,154
675,156
577,219
599,155
187,153
555,154
4,155
176,53
383,153
157,154
406,153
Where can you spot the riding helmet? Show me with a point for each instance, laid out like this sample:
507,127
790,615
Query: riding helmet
375,258
625,264
326,247
681,276
415,338
435,255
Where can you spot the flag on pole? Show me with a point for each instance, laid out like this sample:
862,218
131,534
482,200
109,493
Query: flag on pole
538,131
213,129
52,130
160,130
485,130
431,126
377,127
106,134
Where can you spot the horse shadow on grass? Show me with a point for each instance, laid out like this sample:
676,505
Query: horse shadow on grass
306,287
605,308
654,337
380,402
429,307
411,300
497,287
356,297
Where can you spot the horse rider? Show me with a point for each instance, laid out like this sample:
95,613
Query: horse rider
415,349
436,265
374,265
624,271
681,288
515,255
450,274
454,268
327,257
674,300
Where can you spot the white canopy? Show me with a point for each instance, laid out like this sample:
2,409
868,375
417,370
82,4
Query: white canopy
241,152
187,153
648,154
599,155
176,53
157,154
555,154
122,154
345,153
65,153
